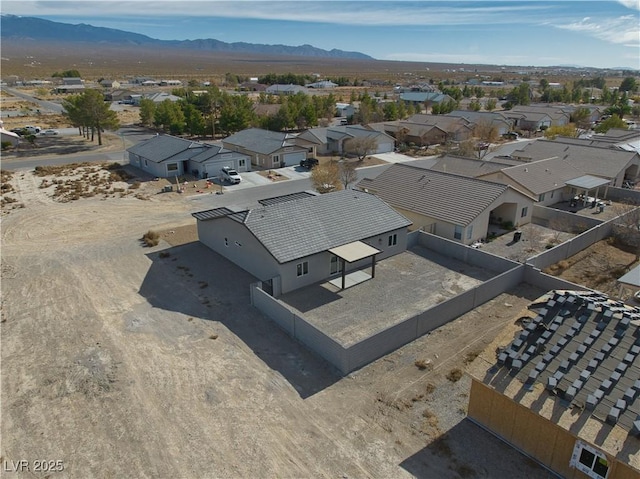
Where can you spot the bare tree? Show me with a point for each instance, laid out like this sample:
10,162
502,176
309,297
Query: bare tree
326,177
347,173
361,146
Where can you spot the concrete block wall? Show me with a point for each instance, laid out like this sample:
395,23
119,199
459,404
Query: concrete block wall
623,195
563,220
321,344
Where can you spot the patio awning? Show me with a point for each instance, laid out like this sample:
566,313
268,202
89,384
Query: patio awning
355,251
587,182
632,278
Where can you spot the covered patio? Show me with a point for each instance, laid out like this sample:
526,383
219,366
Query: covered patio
585,185
350,253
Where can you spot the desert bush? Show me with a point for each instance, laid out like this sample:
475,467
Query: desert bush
6,145
151,238
454,375
423,364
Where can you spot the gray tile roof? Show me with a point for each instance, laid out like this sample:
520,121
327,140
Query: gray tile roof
451,198
283,198
584,348
298,228
212,214
604,162
164,147
543,176
471,167
261,141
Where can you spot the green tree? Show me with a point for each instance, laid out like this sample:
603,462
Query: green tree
566,130
90,110
614,122
169,117
194,121
629,84
491,104
147,111
581,117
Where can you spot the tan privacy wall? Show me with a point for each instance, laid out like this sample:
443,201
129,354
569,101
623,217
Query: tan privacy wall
536,436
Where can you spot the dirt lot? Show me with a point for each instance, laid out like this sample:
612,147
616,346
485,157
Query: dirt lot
126,361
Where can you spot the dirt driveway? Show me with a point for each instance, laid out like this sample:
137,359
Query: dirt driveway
124,361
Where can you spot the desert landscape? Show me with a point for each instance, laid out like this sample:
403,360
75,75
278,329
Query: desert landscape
121,359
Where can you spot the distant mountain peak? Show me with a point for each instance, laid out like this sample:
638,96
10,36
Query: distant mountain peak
38,29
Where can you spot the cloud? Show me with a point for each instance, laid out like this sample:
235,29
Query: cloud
370,13
633,4
623,30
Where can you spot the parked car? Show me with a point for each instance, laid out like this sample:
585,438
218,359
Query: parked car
230,175
49,132
32,130
309,163
511,135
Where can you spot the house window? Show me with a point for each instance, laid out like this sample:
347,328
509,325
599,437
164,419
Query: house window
276,159
392,240
552,194
590,461
541,197
242,163
172,167
302,268
525,210
336,264
457,233
469,231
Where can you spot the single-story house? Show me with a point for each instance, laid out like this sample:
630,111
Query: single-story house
322,84
285,89
456,128
69,88
546,180
559,115
110,83
412,133
471,167
346,110
422,98
167,156
334,140
561,384
268,149
613,164
72,81
298,240
170,83
529,120
495,119
455,207
157,97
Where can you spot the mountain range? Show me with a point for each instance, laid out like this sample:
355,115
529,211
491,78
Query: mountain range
18,28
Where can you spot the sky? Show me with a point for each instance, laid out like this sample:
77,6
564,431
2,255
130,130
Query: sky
602,34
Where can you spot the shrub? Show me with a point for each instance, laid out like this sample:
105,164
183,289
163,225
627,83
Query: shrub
6,145
151,238
423,364
454,375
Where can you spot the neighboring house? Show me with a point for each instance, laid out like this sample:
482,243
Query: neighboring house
170,83
451,206
615,165
70,85
420,99
529,120
412,133
496,119
167,156
285,89
550,181
157,97
252,86
322,84
559,115
268,149
456,128
301,239
212,159
119,95
334,140
346,110
562,385
110,84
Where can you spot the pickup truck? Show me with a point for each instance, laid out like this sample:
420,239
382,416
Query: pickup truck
32,130
230,175
309,163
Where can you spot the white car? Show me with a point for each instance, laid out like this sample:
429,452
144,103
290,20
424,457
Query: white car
230,175
49,132
32,130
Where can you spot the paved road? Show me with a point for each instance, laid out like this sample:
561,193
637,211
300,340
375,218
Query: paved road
44,106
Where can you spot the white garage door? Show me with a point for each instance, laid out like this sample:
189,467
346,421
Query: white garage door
293,159
213,168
